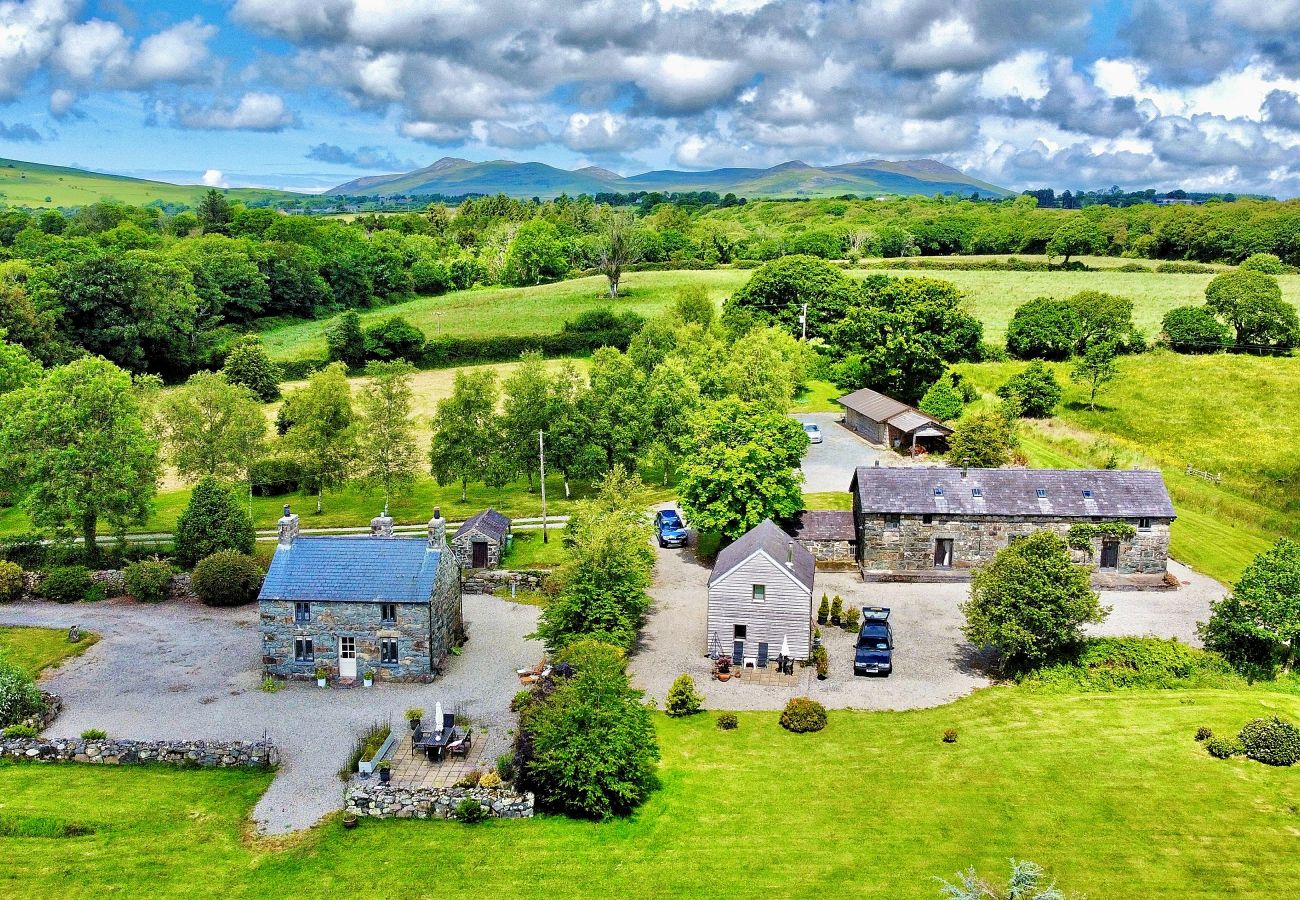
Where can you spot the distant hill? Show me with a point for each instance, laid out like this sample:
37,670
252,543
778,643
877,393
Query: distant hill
37,185
452,177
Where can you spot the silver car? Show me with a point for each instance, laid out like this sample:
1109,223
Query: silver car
814,432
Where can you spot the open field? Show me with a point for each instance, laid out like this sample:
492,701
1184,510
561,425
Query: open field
993,297
1234,415
36,185
1094,787
34,649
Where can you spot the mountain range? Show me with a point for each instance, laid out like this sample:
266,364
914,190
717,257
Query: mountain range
453,177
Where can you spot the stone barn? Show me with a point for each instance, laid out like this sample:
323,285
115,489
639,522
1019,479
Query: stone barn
884,420
828,534
938,523
481,541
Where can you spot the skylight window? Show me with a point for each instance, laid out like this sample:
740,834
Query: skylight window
977,492
1087,494
938,492
1041,492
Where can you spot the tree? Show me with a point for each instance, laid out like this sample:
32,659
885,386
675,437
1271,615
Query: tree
778,291
248,364
1251,302
569,449
346,341
766,366
1260,620
467,440
526,411
394,338
1027,883
1195,329
985,439
1267,263
323,429
1030,602
213,520
1077,236
389,456
942,399
18,369
618,247
213,427
1096,368
1104,318
1043,328
84,452
1035,389
691,304
215,213
536,254
672,399
615,408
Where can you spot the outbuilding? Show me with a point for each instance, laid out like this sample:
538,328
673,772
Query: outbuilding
891,423
828,534
481,541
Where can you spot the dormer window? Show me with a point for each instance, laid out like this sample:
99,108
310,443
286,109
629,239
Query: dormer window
938,491
1041,493
977,492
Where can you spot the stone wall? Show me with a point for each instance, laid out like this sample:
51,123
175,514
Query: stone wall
490,581
51,706
836,552
463,547
360,621
387,801
110,751
909,546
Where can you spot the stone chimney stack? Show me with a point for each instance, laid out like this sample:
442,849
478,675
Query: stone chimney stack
437,530
381,526
288,527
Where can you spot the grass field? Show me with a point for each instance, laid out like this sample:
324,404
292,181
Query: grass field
1108,791
529,551
1234,415
34,649
992,296
37,185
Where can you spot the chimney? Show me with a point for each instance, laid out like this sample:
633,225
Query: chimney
381,526
789,554
288,527
437,530
877,464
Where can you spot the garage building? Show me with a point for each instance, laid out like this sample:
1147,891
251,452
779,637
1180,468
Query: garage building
884,420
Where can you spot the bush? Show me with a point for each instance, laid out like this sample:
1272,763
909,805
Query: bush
1184,268
11,581
1272,741
824,610
727,721
1203,734
850,618
1222,748
345,340
470,811
94,734
490,780
803,714
943,400
227,578
683,699
1263,262
1195,329
822,660
470,779
274,476
394,338
1043,328
19,696
248,364
1036,390
950,735
1111,664
149,581
66,584
837,610
20,731
213,520
506,765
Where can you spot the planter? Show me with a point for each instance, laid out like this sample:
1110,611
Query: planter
821,620
320,682
414,723
384,776
369,682
349,822
724,676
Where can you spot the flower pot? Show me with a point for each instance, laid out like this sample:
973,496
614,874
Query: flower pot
724,676
349,822
320,682
369,682
384,775
414,723
821,620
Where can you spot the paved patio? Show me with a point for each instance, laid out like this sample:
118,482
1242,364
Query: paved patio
412,769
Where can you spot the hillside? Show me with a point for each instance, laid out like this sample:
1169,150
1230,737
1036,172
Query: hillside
453,176
37,185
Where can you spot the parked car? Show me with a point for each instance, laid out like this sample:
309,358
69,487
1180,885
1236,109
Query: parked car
670,529
814,432
874,651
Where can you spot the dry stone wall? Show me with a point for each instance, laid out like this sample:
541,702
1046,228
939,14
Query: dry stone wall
387,801
110,751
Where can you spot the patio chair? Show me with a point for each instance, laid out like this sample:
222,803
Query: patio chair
416,737
461,747
448,721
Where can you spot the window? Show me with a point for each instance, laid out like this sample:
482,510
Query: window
388,613
388,651
760,593
1041,493
302,612
739,632
977,492
1087,494
927,519
1144,524
892,520
938,491
303,651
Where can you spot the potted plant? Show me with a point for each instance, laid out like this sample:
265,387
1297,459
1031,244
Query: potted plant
823,611
413,717
722,668
837,610
823,662
385,771
368,677
349,821
322,673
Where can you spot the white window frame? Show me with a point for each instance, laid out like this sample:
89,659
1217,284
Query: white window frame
758,593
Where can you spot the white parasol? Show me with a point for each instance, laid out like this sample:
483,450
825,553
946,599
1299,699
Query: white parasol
437,717
785,647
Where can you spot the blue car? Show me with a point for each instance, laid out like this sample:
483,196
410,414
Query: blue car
670,529
874,652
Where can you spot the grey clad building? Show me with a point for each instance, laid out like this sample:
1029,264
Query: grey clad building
383,604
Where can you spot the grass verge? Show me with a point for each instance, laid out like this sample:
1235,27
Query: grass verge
35,649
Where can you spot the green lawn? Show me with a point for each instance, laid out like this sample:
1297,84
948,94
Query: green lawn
34,649
818,396
1108,791
836,500
528,551
1234,415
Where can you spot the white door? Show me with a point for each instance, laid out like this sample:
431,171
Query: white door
347,657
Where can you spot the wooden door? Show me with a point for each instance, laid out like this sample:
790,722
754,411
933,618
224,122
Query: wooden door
480,554
1110,554
347,657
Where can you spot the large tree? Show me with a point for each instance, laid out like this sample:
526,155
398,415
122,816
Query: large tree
766,366
389,456
536,254
84,452
212,427
322,430
1076,236
672,399
618,246
779,291
467,444
569,449
615,408
1260,620
527,411
1251,302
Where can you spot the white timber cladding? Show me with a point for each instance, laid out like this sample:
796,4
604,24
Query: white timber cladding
785,613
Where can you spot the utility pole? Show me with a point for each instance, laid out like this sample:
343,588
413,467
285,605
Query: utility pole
803,320
541,458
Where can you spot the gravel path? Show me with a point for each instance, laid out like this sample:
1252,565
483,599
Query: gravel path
829,466
187,671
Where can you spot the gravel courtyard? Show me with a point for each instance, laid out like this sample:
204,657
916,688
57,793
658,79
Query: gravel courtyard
188,671
829,466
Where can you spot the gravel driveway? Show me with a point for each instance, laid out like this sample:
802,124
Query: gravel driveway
184,671
829,466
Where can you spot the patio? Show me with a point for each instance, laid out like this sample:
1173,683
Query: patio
412,769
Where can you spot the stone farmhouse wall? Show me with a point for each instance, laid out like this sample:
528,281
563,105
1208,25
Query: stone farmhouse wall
386,801
110,751
909,546
841,552
489,581
335,619
463,546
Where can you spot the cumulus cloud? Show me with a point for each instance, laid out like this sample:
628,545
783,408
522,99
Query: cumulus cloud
373,158
252,112
214,178
20,131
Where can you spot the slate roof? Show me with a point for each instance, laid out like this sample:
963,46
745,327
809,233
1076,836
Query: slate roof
489,522
825,525
766,537
1111,493
350,569
880,408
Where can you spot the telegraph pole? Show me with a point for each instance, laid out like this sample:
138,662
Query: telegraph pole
803,320
541,458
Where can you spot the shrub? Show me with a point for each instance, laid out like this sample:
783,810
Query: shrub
248,364
19,696
822,660
394,338
66,584
213,520
1110,664
803,714
94,734
851,616
683,699
470,779
950,735
490,780
1222,748
1184,268
1271,740
470,811
506,765
149,580
943,400
274,476
1203,734
824,610
227,578
345,340
727,721
1043,328
837,610
1263,262
1195,329
20,731
11,581
1035,389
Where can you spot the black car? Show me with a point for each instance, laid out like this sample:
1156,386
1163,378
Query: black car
874,652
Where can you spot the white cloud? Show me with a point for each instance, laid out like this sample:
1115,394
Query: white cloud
1024,76
214,178
28,33
684,83
253,112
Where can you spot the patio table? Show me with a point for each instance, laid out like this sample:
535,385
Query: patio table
433,743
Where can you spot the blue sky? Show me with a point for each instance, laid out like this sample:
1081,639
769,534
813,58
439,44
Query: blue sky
308,93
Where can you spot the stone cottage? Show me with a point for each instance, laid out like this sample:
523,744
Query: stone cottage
482,540
939,522
760,598
828,534
383,604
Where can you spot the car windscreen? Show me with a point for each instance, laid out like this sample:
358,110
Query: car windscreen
873,642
